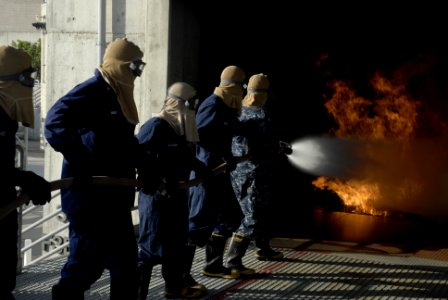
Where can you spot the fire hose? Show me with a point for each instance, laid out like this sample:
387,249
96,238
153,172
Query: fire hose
108,181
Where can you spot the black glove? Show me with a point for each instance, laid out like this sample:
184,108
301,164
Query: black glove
151,181
230,163
81,165
35,186
202,171
285,148
82,176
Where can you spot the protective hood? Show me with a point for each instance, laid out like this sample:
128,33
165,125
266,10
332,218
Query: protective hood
257,91
175,112
16,99
230,89
115,68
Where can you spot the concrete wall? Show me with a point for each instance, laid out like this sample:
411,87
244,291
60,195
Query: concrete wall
16,18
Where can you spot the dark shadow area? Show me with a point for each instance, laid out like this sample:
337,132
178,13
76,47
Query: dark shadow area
302,48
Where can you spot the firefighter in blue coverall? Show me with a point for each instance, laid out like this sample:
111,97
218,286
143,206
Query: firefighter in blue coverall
168,141
214,210
252,179
16,105
93,127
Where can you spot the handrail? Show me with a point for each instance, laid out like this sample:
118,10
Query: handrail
41,239
55,213
50,253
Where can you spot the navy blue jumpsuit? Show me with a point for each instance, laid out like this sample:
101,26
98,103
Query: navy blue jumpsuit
213,206
163,232
9,224
88,127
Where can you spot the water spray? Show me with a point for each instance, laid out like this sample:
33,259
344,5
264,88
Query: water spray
326,156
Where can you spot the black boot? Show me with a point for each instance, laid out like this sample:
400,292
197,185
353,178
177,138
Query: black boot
237,249
123,288
189,280
60,293
265,251
144,272
214,253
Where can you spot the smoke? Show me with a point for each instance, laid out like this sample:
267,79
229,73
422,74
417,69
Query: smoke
411,176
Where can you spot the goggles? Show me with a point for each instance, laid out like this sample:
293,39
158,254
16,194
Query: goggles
137,67
26,78
191,103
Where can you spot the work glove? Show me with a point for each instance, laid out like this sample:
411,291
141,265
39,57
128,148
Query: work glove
35,186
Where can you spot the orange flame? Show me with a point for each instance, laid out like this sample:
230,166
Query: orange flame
391,116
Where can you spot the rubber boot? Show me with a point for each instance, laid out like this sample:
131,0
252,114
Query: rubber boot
189,280
214,255
59,293
265,251
144,272
237,249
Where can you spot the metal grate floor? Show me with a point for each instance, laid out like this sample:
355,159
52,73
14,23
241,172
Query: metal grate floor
302,274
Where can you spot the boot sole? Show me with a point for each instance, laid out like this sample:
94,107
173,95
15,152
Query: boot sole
266,258
194,295
225,276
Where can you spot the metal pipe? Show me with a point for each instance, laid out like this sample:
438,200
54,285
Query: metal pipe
104,180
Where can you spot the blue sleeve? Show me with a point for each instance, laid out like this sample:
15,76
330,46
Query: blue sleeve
208,124
64,124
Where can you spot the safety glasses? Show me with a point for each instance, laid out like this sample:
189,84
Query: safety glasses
26,78
137,67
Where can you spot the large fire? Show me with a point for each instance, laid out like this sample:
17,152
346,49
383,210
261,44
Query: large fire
405,173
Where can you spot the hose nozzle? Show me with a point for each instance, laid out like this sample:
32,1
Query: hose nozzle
285,148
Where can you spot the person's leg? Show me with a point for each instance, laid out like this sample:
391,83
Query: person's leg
214,255
174,226
8,255
237,249
188,278
85,263
123,261
149,241
263,214
265,252
229,218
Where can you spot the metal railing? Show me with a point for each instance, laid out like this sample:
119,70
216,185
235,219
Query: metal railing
50,242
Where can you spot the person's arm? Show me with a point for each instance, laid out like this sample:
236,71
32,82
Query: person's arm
64,124
151,139
208,124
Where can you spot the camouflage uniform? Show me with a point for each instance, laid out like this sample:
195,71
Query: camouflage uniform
252,179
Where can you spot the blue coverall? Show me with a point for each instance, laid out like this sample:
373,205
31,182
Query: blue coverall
163,232
88,127
213,206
